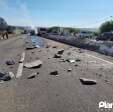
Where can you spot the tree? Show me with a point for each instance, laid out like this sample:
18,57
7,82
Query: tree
106,26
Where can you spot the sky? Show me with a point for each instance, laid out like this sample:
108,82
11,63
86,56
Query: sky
65,13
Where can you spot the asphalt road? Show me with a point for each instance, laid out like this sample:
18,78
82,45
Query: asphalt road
48,93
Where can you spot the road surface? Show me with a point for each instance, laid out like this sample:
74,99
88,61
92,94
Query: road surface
49,93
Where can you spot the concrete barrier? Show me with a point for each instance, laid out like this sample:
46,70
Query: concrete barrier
98,46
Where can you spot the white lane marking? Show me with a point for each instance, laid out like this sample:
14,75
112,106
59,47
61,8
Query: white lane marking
20,67
22,57
99,59
19,71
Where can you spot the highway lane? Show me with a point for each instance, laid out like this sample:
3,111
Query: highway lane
62,93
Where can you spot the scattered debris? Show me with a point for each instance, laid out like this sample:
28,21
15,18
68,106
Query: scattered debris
71,60
33,64
61,51
57,56
29,47
88,81
6,76
69,70
55,46
33,75
10,62
48,46
2,74
106,80
62,60
76,65
26,42
54,72
39,50
32,52
77,60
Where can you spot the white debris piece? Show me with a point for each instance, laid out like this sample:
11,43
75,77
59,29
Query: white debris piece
33,64
88,81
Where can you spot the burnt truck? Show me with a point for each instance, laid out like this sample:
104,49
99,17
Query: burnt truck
3,28
42,31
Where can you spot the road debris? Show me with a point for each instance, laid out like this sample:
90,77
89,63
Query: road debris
69,70
106,80
33,75
33,64
6,76
48,46
86,81
76,65
71,60
40,50
10,62
54,72
2,74
57,56
62,60
55,46
61,51
77,60
32,52
30,47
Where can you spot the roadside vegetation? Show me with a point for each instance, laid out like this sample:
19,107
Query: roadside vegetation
106,26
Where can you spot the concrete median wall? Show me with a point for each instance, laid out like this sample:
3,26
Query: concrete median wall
98,46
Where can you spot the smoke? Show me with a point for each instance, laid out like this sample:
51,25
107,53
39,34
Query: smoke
20,13
26,13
